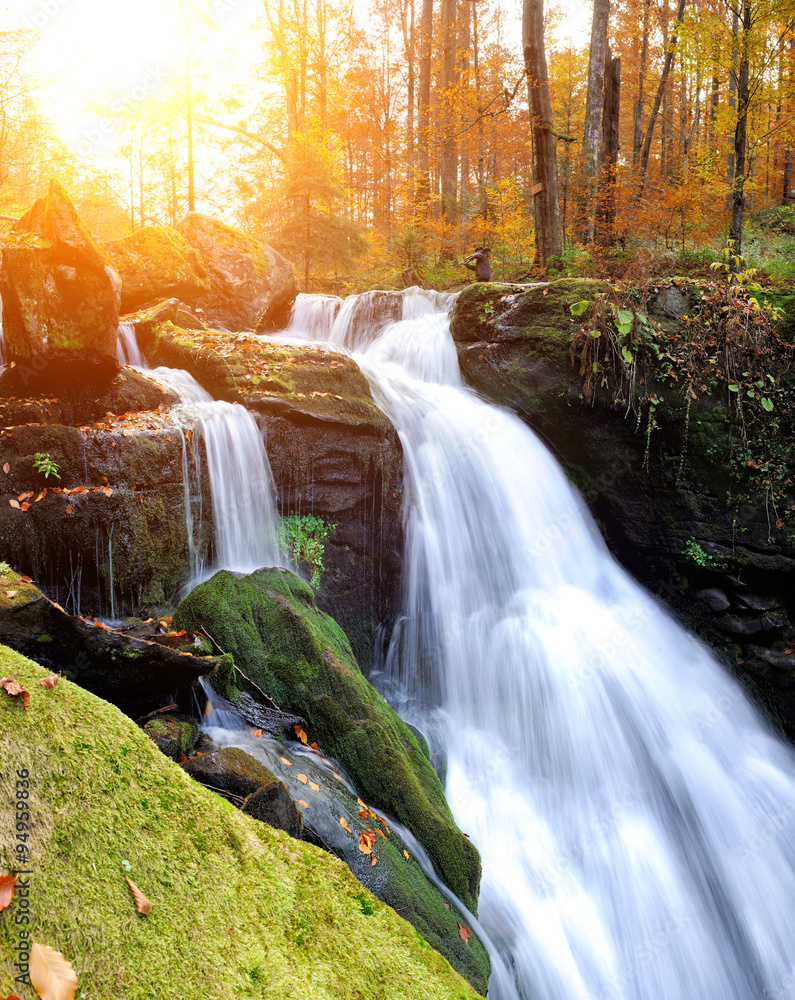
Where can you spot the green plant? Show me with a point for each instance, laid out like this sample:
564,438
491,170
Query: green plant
696,554
302,538
43,462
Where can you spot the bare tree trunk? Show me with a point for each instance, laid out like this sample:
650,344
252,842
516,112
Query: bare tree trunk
741,134
478,102
608,159
545,170
409,41
449,79
424,122
593,116
732,105
464,45
638,113
669,56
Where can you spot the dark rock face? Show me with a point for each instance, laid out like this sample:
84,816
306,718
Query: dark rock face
251,285
272,804
132,674
156,263
662,497
61,297
270,623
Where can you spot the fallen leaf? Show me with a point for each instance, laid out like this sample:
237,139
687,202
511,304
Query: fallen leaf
208,708
299,732
344,824
68,508
8,884
364,844
256,732
314,786
380,833
373,860
362,804
314,746
49,682
41,495
303,803
14,688
464,932
10,594
284,760
445,904
103,479
382,820
27,579
142,904
11,996
24,506
406,855
364,813
6,468
51,973
339,777
14,504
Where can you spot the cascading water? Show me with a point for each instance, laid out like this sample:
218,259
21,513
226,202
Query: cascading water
634,816
127,346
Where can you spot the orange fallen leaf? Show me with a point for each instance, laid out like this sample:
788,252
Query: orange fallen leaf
27,579
303,803
10,594
362,804
464,932
41,496
284,760
8,884
11,996
103,479
14,504
68,508
51,973
302,778
299,732
14,688
24,506
406,855
49,682
256,732
314,746
6,468
382,820
107,491
445,904
364,844
314,786
364,813
142,904
380,833
373,860
339,777
344,824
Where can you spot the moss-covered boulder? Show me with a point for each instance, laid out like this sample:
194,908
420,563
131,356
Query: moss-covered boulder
61,297
238,909
175,735
156,263
300,656
252,287
136,675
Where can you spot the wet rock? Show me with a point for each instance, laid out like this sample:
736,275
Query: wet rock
134,675
61,296
156,263
737,625
754,602
230,770
175,734
713,598
272,804
252,287
779,659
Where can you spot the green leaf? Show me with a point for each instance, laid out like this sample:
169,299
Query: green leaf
595,333
597,367
734,388
627,355
579,307
767,403
624,328
625,316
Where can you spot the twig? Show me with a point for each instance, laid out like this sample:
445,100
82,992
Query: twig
159,711
221,791
268,700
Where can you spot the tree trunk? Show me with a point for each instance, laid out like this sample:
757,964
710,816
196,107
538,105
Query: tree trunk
593,116
637,134
732,105
424,122
608,159
669,57
740,135
479,104
409,39
464,46
449,79
545,171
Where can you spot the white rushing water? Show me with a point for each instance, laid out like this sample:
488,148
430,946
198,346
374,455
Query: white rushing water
127,346
634,815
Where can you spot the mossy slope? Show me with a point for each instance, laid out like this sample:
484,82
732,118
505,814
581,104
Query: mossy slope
301,657
239,909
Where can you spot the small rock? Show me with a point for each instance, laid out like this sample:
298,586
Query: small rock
714,599
272,804
231,770
735,625
754,602
671,302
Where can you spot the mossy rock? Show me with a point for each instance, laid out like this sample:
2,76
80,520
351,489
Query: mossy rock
300,656
155,263
175,735
239,908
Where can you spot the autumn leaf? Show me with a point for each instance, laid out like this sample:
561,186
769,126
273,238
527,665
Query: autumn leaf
24,506
382,820
362,804
284,760
6,468
373,860
364,813
380,833
344,824
303,803
464,932
49,682
68,508
364,844
445,904
14,504
8,884
11,996
299,732
14,688
41,496
10,594
339,777
142,904
406,855
107,491
314,786
302,778
256,732
51,973
314,746
27,579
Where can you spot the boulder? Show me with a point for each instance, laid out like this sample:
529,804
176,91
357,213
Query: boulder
252,287
175,734
271,625
133,674
156,263
230,770
271,803
61,296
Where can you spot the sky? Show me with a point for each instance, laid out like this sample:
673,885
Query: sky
89,46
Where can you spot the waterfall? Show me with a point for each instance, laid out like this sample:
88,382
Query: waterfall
633,813
127,346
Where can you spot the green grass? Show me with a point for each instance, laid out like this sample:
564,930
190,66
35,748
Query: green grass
239,909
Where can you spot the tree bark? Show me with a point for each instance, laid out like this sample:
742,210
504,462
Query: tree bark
741,134
449,175
637,133
669,58
593,116
545,171
608,159
424,115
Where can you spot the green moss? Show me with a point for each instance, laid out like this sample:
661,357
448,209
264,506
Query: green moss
239,909
301,657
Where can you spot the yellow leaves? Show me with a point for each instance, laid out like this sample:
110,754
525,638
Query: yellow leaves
303,803
302,778
299,732
142,904
314,786
8,885
344,824
284,760
406,855
51,973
